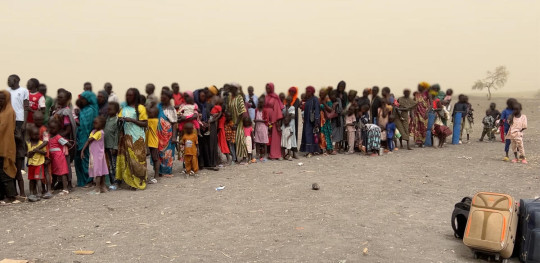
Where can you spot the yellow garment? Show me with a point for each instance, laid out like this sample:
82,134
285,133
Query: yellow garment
131,162
37,159
7,135
151,133
96,135
143,116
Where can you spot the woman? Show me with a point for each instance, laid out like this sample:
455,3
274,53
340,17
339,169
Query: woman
237,109
8,170
326,126
337,122
342,94
420,117
166,133
310,129
64,113
103,103
131,159
273,107
88,112
208,157
293,92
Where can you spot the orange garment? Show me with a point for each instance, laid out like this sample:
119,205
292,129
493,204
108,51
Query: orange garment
192,163
190,142
7,135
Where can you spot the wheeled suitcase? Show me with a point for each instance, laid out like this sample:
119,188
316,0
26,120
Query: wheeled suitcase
529,239
492,225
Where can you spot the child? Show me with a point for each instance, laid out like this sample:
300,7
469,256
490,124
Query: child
36,100
36,162
390,132
518,123
489,123
350,122
97,167
469,119
248,132
288,138
111,141
261,130
188,111
39,119
440,130
222,142
190,141
152,142
505,125
59,165
364,120
230,135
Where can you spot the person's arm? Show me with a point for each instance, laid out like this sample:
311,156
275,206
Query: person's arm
174,130
90,140
66,131
143,123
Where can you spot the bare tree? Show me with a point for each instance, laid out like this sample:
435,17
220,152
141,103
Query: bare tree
494,80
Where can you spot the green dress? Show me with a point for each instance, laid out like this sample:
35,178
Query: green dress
326,129
48,105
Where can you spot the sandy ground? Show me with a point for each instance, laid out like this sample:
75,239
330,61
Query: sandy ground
397,206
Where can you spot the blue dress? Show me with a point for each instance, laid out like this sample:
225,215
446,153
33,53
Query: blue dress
311,108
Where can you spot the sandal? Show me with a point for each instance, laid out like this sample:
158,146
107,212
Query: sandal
168,175
515,161
63,192
47,195
33,198
152,181
290,158
309,155
524,161
2,203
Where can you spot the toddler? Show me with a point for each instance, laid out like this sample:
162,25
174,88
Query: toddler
39,119
187,111
230,136
190,141
97,166
248,130
152,141
518,123
36,162
261,130
489,123
390,132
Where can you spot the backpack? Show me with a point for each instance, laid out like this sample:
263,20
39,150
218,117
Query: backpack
460,216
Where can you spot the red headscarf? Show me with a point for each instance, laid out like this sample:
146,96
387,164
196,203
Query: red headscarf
272,95
294,96
310,89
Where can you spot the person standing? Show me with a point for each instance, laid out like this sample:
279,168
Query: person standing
8,169
311,126
151,99
20,104
406,104
375,104
166,133
68,126
420,119
36,100
237,109
87,86
103,103
178,97
293,93
274,110
252,101
49,102
111,95
89,111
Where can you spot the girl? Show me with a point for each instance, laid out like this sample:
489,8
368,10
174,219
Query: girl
288,138
36,162
97,166
350,122
248,130
261,131
57,153
440,130
230,136
518,123
363,121
218,113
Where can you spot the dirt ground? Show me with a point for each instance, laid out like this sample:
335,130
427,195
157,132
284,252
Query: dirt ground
397,206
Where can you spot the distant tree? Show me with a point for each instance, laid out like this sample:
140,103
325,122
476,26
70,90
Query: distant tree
494,80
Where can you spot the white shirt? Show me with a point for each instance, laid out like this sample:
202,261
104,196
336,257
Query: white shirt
113,97
18,96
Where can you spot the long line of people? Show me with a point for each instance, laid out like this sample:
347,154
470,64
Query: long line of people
211,128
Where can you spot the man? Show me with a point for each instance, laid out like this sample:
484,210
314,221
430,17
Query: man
375,104
19,102
406,104
177,96
151,99
87,86
364,100
252,100
48,102
112,96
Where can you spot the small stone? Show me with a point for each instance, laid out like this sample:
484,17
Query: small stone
315,186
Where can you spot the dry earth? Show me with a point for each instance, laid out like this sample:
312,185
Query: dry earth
397,206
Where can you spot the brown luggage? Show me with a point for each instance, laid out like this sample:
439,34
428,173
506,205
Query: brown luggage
491,228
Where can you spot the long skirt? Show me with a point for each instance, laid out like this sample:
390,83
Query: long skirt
208,156
81,168
275,144
131,162
326,130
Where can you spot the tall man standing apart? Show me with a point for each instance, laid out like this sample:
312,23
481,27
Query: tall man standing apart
19,102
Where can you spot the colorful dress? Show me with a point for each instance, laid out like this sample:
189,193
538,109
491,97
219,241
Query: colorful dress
98,163
373,137
420,120
326,129
167,119
238,109
261,128
131,159
59,164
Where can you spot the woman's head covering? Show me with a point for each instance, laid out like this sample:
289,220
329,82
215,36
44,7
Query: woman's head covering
90,98
201,104
213,90
189,93
294,96
424,85
7,136
272,95
103,93
311,90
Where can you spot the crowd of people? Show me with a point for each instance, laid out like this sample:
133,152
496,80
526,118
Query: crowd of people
109,142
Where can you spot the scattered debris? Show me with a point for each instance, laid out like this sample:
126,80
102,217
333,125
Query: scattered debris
300,164
465,157
221,187
83,252
278,172
108,242
315,186
7,260
365,252
11,242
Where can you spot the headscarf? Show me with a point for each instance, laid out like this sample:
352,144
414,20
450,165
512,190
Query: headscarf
7,132
202,105
104,108
424,85
295,96
310,89
273,95
213,90
86,118
189,93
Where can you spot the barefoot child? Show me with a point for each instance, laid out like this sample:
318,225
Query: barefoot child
350,127
39,119
111,141
390,132
248,132
97,167
518,123
190,141
261,131
288,138
230,135
59,165
152,142
36,162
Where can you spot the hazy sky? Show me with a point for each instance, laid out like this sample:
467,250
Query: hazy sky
289,42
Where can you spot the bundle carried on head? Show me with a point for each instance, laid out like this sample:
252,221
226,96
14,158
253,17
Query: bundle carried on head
424,85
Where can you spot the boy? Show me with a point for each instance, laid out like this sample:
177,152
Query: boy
190,141
39,119
36,100
390,132
152,141
19,102
489,124
230,137
36,161
111,141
